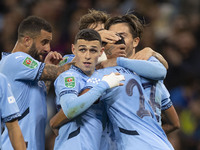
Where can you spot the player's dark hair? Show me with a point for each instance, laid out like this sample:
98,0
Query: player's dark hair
88,35
32,27
134,23
93,16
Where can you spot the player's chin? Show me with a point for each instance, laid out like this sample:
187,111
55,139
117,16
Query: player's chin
88,69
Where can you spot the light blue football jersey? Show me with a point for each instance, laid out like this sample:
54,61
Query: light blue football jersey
133,119
8,106
84,131
4,54
23,73
158,96
155,90
108,141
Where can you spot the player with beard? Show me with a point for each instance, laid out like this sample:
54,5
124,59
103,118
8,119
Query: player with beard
26,72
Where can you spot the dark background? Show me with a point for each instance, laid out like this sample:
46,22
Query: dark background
173,29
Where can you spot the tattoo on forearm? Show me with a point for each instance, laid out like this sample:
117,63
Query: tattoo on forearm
50,72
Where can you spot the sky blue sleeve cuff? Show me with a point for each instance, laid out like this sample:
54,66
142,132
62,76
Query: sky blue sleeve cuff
148,69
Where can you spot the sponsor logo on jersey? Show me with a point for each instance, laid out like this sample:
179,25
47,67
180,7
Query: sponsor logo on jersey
62,62
11,99
30,63
70,82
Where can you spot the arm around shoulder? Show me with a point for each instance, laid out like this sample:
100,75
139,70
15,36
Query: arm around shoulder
51,72
161,59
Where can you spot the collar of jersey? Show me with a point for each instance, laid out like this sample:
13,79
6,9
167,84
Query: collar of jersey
77,69
5,53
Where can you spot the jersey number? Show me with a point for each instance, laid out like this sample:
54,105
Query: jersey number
129,90
153,101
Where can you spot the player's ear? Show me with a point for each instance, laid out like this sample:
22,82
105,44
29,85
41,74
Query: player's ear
136,42
73,49
28,41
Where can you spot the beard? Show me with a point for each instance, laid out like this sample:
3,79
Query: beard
34,53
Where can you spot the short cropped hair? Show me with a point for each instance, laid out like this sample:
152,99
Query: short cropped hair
135,24
93,16
88,35
32,26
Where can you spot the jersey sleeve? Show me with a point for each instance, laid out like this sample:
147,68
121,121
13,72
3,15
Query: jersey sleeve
9,108
166,101
71,103
95,79
151,69
66,59
24,67
66,83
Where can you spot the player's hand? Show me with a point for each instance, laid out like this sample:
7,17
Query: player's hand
53,58
108,36
144,54
115,50
113,79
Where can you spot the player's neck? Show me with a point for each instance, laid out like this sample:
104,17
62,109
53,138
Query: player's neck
19,47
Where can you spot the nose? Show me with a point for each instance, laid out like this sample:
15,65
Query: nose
87,55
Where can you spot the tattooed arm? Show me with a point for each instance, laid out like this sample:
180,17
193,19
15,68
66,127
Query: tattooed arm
51,72
54,58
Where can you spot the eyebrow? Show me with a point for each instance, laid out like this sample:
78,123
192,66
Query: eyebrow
81,46
86,46
121,33
94,46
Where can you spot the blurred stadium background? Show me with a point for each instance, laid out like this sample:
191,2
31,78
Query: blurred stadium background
173,29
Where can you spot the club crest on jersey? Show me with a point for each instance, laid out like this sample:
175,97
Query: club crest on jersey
30,63
70,82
